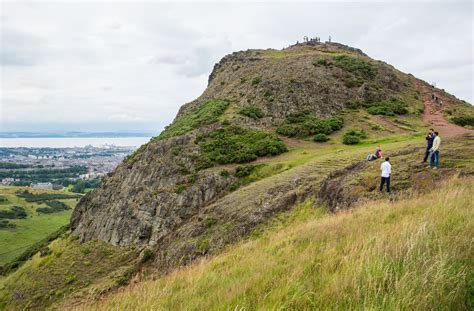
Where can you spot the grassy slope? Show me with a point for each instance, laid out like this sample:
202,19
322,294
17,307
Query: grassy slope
68,271
415,253
32,229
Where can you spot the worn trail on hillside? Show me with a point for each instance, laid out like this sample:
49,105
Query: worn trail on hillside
433,113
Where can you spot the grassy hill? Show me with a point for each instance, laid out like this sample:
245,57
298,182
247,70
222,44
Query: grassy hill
405,254
257,168
19,233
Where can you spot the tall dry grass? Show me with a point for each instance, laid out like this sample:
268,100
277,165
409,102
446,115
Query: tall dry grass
414,254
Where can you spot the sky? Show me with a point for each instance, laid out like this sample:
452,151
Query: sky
123,66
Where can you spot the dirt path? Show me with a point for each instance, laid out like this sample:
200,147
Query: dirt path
433,113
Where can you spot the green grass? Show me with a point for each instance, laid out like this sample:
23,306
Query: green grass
411,254
205,114
32,229
64,269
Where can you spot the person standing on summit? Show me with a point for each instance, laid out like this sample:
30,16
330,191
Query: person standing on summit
434,152
386,169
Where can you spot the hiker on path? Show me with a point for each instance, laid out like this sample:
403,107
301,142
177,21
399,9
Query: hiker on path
429,143
434,152
386,169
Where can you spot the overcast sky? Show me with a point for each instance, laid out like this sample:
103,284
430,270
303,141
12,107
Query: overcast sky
117,66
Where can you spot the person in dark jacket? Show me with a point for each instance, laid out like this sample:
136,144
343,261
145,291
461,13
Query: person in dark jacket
429,143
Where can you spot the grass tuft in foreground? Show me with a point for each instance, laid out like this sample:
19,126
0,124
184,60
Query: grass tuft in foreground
411,254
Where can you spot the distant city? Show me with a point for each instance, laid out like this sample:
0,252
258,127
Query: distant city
54,168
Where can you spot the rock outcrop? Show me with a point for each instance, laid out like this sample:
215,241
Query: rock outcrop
163,198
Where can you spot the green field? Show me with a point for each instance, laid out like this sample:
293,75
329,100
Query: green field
35,227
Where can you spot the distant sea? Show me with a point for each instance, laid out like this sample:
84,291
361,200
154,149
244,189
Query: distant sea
69,142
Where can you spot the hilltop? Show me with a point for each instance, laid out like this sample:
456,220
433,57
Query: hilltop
273,129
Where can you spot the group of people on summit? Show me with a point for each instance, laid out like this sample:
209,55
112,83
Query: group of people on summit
433,142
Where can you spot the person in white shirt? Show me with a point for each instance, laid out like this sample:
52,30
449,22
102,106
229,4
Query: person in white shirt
386,169
434,152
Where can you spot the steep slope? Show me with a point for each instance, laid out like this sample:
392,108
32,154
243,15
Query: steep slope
168,180
408,254
231,160
163,189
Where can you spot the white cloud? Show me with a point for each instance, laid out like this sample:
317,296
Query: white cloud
132,65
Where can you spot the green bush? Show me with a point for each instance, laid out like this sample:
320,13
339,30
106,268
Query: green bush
234,144
256,80
321,62
147,255
15,212
42,197
336,123
355,65
5,224
54,207
243,170
380,110
251,112
387,108
350,140
303,125
354,82
353,104
352,137
321,138
205,114
463,121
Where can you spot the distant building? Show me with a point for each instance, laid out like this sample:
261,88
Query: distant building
42,185
46,186
8,181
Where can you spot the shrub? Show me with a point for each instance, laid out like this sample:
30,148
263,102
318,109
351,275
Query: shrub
320,138
353,82
355,65
15,212
350,140
205,114
251,112
180,189
387,108
352,137
5,224
256,80
243,170
147,255
336,123
54,207
463,121
353,104
303,125
321,62
234,144
380,110
224,173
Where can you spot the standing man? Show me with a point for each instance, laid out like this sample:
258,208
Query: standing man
434,151
429,143
386,169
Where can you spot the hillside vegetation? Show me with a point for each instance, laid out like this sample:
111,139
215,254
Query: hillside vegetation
256,167
408,254
28,217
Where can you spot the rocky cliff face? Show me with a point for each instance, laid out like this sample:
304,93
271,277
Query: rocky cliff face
159,195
